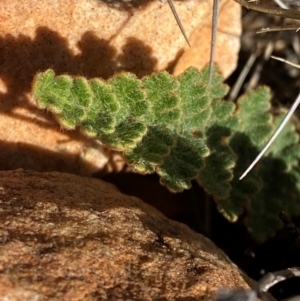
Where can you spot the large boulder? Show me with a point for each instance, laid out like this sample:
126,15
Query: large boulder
65,237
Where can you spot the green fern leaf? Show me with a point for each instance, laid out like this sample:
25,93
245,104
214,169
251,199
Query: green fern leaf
183,130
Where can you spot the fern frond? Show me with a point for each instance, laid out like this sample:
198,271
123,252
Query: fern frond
183,130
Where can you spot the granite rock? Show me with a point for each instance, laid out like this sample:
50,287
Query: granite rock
65,237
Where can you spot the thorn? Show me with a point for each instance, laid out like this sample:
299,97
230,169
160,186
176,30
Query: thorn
281,4
213,39
173,9
274,136
285,61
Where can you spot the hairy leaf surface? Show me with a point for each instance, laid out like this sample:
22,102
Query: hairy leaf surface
183,130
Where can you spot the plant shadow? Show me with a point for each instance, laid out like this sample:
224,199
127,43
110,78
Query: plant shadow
22,57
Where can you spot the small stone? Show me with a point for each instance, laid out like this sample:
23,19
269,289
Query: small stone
4,236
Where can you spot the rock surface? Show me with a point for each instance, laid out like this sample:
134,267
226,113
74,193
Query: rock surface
65,237
90,38
227,45
98,37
